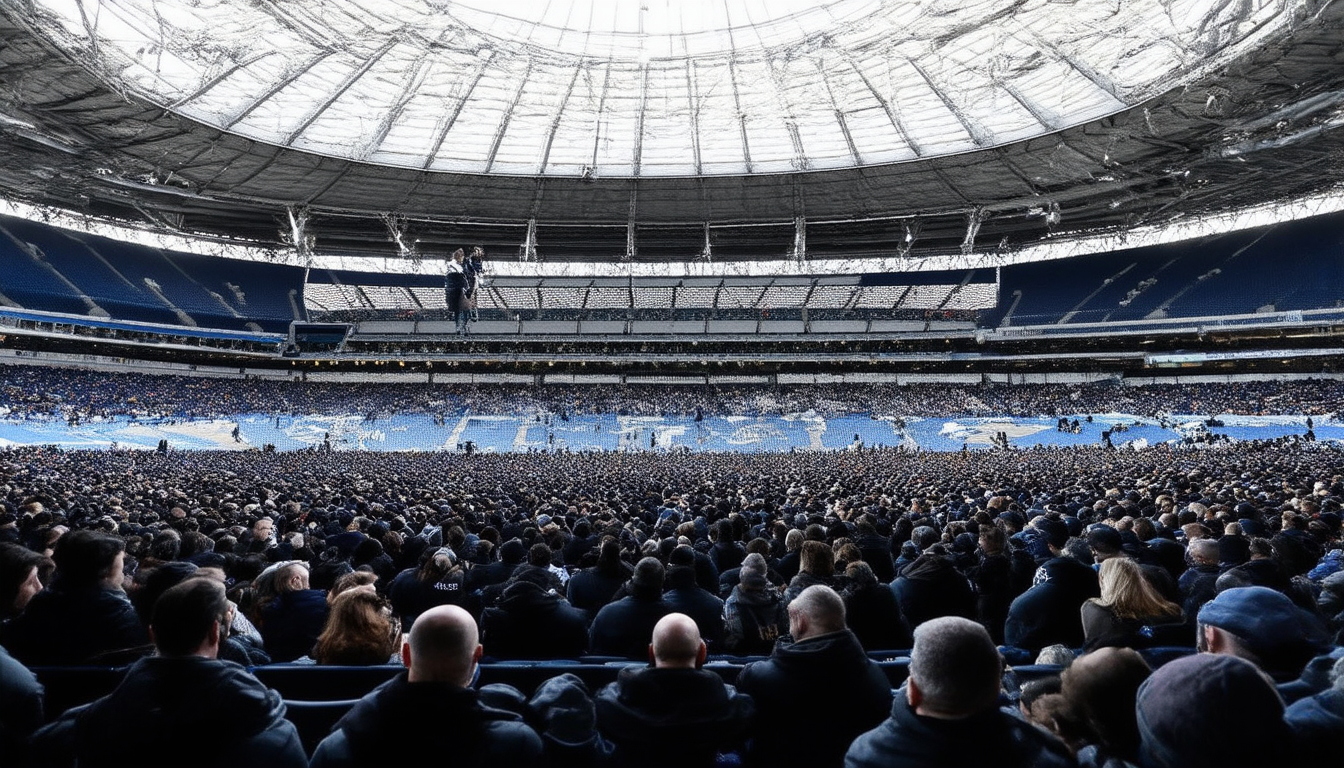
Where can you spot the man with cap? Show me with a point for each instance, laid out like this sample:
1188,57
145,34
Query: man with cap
947,713
623,627
822,675
431,708
1212,711
1262,626
672,713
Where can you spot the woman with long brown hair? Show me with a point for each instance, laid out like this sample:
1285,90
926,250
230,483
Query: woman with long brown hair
1128,603
361,630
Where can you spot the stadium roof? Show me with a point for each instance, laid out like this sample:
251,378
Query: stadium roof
662,131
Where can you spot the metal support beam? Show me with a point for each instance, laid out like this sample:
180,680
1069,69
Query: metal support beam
528,250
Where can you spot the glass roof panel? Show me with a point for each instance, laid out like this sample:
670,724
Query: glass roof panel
655,88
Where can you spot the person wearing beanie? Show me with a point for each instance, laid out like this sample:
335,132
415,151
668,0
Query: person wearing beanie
753,615
822,674
1262,626
947,713
622,628
1211,711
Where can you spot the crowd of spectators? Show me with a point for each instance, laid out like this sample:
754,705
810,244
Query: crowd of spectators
40,393
193,567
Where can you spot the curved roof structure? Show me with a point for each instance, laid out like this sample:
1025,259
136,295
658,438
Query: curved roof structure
611,130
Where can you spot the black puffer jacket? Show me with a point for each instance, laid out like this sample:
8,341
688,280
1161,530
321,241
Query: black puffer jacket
401,723
195,711
671,717
828,680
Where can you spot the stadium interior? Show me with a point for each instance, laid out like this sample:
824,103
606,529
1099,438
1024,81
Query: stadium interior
438,277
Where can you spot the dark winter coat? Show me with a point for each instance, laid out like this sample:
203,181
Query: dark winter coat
22,713
625,627
827,679
683,596
1047,613
874,615
530,623
70,627
1317,723
753,620
194,711
411,597
290,625
908,740
671,717
401,723
931,587
592,588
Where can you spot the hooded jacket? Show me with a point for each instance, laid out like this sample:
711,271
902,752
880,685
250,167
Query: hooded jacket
753,620
671,717
291,624
829,681
195,711
1048,612
530,623
401,723
909,740
931,587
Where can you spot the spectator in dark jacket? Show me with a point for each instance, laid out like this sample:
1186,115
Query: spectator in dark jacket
948,712
511,555
198,709
532,623
824,673
1047,614
673,713
753,615
872,611
84,613
592,588
816,566
727,552
931,587
992,578
682,595
23,710
1197,585
292,621
623,628
431,708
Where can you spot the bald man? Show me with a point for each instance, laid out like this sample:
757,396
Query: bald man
823,674
431,707
672,713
